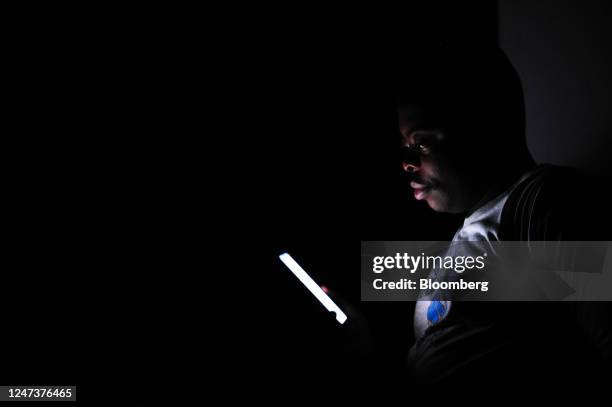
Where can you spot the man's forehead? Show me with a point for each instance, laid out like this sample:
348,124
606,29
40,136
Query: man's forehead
409,113
412,118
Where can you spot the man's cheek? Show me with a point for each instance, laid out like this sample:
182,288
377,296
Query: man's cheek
440,166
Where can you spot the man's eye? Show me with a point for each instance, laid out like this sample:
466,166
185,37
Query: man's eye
422,148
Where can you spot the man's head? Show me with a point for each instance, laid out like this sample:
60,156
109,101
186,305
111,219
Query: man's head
461,119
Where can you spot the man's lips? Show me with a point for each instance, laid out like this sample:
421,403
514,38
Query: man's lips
420,190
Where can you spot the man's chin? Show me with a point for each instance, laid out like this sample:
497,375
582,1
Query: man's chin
438,204
436,200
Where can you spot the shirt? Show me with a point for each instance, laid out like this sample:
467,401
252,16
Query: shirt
482,225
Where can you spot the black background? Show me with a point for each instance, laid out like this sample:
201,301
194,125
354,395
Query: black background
161,160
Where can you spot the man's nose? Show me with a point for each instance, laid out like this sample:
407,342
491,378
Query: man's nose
410,166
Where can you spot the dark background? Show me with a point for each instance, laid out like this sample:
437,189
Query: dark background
162,158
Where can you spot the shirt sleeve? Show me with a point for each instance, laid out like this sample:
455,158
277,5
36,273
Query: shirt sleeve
557,205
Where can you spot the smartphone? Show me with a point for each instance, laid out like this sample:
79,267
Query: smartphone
313,287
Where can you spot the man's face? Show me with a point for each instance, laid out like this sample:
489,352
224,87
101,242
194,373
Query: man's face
440,170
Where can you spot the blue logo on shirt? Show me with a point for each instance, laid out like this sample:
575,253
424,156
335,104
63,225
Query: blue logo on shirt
436,311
